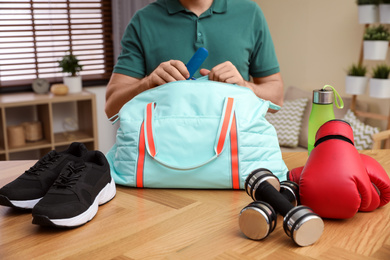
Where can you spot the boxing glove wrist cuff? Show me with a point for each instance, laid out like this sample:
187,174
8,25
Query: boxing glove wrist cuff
328,137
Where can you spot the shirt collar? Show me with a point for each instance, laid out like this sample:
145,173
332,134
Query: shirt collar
174,6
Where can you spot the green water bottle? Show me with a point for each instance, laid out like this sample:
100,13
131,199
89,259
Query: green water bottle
321,111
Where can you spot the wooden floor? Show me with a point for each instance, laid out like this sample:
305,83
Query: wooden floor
185,224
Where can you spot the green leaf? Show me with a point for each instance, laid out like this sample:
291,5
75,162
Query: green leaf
381,71
376,33
357,70
70,64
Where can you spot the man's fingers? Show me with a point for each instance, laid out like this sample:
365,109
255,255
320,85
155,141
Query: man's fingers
221,72
226,72
165,76
178,70
204,72
169,71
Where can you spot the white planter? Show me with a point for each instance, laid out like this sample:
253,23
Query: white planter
74,84
380,88
375,50
355,85
368,14
384,13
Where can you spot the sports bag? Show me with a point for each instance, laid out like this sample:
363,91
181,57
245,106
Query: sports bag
194,134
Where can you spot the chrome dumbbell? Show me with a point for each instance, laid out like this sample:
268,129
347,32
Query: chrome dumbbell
258,219
300,223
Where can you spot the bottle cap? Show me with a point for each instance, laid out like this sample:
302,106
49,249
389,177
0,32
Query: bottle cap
322,96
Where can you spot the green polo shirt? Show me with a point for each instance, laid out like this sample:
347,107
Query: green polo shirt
231,30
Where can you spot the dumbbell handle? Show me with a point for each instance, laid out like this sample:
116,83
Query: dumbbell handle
266,192
288,195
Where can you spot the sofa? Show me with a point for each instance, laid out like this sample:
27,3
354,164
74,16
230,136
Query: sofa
291,121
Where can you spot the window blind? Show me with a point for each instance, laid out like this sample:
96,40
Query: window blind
36,34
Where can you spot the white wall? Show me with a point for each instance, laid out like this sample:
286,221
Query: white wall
106,131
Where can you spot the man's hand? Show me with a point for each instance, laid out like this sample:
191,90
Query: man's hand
168,71
122,88
225,72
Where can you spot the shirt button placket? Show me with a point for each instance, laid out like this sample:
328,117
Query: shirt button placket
199,35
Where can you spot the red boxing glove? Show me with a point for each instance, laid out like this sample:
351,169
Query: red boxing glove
295,174
334,182
380,181
380,188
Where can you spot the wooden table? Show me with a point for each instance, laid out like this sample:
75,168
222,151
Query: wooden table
185,224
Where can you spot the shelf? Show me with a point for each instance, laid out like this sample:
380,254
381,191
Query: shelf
375,116
30,98
31,146
18,108
69,137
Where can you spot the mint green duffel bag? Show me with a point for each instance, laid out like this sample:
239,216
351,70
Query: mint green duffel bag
194,134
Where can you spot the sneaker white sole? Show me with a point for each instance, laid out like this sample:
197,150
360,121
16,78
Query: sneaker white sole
104,196
25,204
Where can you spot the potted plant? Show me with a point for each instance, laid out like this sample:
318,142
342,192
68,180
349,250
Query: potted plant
356,80
376,42
384,11
368,11
380,82
70,64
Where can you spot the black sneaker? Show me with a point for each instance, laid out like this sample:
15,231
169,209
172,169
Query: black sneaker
74,198
26,190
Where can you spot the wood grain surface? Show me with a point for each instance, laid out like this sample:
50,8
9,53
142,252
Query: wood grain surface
185,224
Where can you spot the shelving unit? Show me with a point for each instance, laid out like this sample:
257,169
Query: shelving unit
40,108
354,99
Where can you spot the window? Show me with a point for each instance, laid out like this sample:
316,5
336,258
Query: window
36,34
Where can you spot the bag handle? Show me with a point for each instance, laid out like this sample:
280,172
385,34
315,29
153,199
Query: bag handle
224,129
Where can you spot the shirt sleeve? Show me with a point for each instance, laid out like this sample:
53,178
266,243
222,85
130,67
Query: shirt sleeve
263,59
131,61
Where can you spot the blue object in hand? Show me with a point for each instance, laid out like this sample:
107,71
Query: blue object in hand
196,61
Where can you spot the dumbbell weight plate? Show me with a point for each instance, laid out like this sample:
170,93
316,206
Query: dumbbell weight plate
256,177
293,190
257,220
303,225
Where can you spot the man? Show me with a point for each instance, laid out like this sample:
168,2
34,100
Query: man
167,33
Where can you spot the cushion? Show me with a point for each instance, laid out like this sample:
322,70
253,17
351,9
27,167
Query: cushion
362,133
293,92
287,121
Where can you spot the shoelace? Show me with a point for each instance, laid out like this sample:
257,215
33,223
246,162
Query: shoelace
69,176
44,163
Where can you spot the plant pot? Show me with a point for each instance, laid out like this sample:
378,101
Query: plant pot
355,85
74,84
375,50
368,14
380,88
384,13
